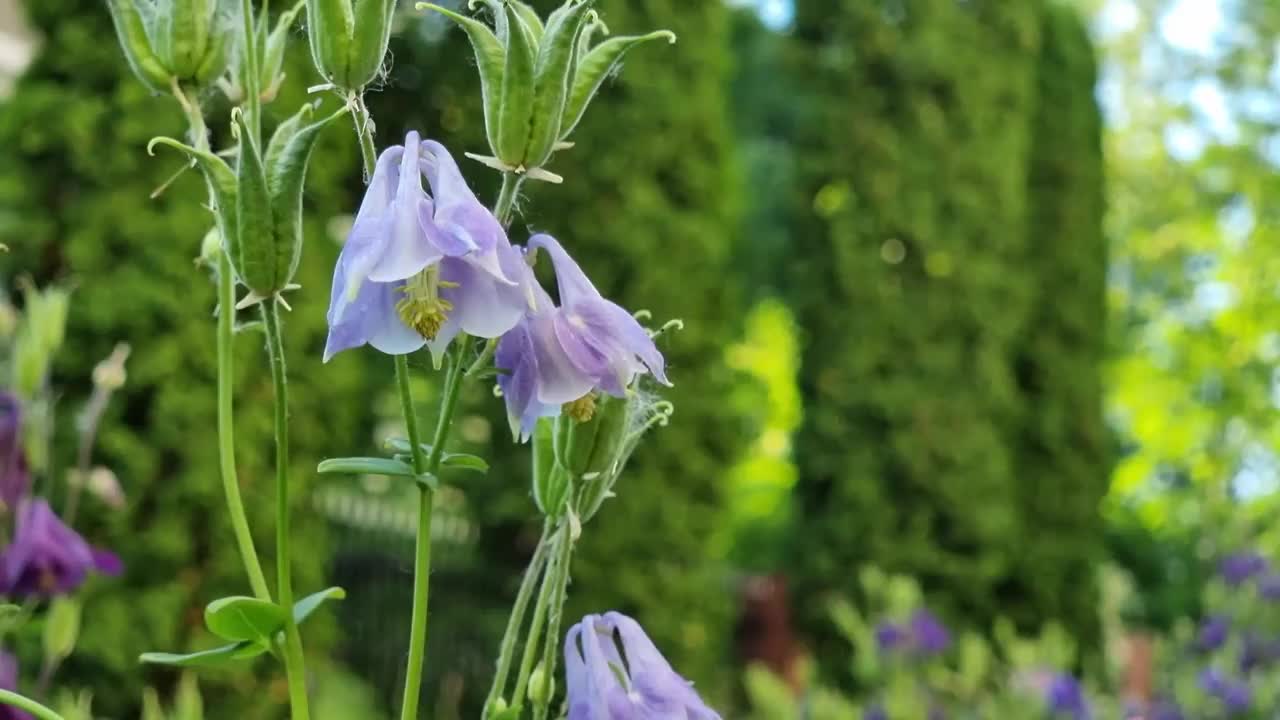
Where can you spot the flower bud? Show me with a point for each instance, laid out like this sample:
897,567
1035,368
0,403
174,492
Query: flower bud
542,686
348,43
170,41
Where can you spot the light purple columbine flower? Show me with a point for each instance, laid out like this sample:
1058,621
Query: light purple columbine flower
626,679
46,557
561,354
9,681
419,268
1239,568
15,482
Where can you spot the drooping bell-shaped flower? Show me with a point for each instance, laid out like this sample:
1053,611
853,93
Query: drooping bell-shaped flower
14,478
419,268
560,355
46,557
9,681
615,672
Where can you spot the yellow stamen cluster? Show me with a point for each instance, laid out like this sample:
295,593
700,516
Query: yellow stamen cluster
582,409
422,308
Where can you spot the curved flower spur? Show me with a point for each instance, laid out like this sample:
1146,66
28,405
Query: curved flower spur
419,268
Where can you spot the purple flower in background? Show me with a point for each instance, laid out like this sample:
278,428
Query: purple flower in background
928,635
1235,695
9,681
1269,587
1239,568
558,356
46,557
1166,710
626,679
1213,633
875,712
890,636
418,269
1258,652
1065,697
14,480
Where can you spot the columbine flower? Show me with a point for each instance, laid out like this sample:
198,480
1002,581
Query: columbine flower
627,679
418,269
928,635
1065,697
14,480
559,356
46,557
1241,567
9,681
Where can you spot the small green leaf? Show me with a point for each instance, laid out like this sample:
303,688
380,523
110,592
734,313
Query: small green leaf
429,481
304,608
244,618
594,68
366,466
490,59
463,461
213,657
61,629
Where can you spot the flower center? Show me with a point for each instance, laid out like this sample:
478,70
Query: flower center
422,308
582,409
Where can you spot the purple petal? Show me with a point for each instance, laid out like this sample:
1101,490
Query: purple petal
407,250
371,318
457,211
604,341
559,380
106,562
482,306
573,283
517,357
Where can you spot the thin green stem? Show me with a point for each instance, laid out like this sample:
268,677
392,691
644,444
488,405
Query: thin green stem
559,587
539,616
295,667
507,197
226,430
252,78
13,699
422,551
506,651
364,131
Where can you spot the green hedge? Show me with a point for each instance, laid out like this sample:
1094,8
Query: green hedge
948,279
74,207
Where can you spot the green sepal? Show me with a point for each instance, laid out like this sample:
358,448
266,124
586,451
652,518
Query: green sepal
273,52
552,483
255,254
213,657
552,76
215,60
286,168
242,618
596,463
131,31
368,46
490,59
220,177
331,27
366,466
182,32
307,606
596,65
517,91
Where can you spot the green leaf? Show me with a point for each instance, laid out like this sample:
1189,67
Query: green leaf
490,59
304,608
594,67
366,466
244,618
463,461
61,629
220,177
517,91
213,657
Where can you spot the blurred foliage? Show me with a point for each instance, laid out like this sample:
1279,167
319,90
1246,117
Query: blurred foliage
948,268
74,205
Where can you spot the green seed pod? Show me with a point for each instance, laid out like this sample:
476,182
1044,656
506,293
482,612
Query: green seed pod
181,33
597,461
551,482
491,61
220,178
273,52
216,58
348,44
254,252
552,76
131,31
542,686
517,91
593,67
369,43
531,20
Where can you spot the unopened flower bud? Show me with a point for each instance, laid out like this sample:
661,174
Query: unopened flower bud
110,373
349,43
542,686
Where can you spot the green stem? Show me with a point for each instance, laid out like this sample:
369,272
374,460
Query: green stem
364,131
507,649
295,668
422,551
559,586
15,700
539,616
226,430
507,197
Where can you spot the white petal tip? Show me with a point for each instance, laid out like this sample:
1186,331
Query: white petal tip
249,300
545,176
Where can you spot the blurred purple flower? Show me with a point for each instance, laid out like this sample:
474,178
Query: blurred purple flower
418,269
890,636
1235,695
14,480
1213,633
1239,568
1269,587
627,679
928,635
557,356
875,712
46,557
1258,652
1166,710
1065,697
9,681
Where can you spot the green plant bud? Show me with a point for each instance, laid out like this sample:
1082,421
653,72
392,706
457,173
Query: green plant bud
552,483
348,44
369,43
131,31
594,66
541,685
552,75
517,91
271,74
491,61
181,33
